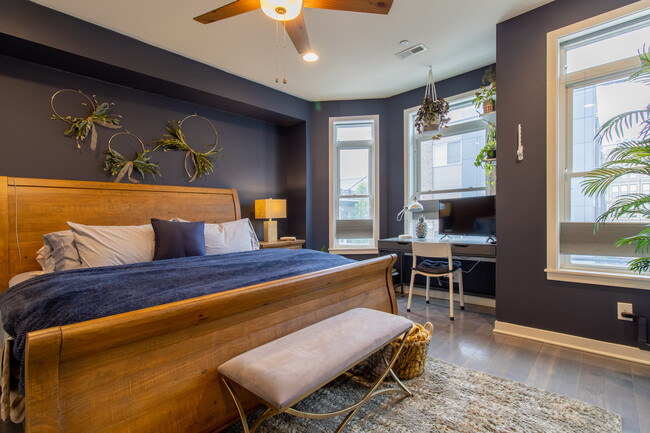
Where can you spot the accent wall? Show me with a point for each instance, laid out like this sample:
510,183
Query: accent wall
524,295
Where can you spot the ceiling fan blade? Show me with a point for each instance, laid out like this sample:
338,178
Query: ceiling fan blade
298,34
368,6
229,10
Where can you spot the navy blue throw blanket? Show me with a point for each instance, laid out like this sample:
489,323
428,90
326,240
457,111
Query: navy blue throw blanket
74,296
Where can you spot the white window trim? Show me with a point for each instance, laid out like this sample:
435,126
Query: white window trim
410,159
555,139
352,250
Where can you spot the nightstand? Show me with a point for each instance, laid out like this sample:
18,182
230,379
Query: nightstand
292,245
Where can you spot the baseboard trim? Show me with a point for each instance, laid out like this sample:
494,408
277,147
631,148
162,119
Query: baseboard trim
437,294
619,351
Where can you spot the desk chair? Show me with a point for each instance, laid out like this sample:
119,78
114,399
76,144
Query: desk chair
434,267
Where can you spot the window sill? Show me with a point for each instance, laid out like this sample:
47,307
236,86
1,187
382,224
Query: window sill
633,281
348,251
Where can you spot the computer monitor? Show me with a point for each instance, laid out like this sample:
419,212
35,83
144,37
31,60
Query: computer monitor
468,216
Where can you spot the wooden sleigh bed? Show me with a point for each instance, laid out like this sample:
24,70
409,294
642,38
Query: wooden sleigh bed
155,369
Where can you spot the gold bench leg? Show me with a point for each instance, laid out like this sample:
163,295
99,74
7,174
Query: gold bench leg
372,392
351,410
242,414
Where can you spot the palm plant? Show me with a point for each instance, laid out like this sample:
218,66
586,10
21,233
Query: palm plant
632,156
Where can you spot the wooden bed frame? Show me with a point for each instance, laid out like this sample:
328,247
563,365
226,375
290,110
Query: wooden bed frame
155,370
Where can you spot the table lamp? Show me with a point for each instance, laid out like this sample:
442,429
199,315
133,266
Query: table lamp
270,208
413,206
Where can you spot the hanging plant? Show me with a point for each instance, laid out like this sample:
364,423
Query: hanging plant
432,114
80,127
175,140
117,165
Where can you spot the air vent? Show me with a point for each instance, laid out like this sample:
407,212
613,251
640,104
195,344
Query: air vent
416,49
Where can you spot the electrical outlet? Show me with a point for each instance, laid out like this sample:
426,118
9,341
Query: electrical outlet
623,307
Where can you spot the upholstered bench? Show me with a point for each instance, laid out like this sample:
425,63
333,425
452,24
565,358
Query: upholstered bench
286,370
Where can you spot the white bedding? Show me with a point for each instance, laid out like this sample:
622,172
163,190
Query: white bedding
24,277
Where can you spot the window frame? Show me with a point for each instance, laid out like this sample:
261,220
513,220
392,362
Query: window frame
412,173
373,182
557,133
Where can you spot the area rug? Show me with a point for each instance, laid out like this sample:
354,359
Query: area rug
447,398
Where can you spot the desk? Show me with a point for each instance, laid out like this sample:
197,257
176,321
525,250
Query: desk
474,249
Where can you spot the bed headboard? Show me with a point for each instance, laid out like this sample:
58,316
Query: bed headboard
45,206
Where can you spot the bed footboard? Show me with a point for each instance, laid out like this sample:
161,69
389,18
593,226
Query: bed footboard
156,369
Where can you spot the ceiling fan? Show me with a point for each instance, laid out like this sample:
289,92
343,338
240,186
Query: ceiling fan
289,11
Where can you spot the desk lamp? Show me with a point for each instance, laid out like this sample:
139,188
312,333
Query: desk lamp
269,208
413,206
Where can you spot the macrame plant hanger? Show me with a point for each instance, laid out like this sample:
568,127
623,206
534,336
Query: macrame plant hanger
430,88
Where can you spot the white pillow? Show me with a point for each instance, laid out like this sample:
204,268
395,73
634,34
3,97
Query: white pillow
44,258
113,245
59,252
229,237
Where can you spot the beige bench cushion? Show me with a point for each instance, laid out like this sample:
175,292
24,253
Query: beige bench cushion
287,369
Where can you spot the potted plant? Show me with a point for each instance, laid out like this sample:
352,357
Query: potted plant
488,154
629,157
486,97
432,114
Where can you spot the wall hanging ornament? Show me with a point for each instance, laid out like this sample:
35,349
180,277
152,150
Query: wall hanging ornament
117,165
175,140
432,114
80,127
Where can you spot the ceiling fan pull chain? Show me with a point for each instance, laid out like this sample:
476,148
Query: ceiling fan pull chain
277,75
284,49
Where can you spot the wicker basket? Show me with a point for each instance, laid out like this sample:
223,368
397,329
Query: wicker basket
411,360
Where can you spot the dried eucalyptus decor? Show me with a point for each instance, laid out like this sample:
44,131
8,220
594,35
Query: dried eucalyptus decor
117,165
80,127
175,140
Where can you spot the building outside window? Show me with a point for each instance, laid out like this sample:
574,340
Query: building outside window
354,193
588,66
444,168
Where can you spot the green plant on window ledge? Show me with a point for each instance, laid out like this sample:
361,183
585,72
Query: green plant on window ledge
486,157
631,156
486,97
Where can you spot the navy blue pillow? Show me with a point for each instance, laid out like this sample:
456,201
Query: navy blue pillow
178,239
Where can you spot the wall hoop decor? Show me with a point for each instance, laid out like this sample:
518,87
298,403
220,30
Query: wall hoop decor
80,127
175,140
117,165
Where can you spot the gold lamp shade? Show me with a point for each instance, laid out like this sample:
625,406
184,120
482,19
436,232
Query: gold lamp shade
270,208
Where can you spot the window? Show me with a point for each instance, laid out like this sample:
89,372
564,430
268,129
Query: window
588,64
444,168
354,195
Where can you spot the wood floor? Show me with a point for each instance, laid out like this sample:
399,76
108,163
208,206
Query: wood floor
620,386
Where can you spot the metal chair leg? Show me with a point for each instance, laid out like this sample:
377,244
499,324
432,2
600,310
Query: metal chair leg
427,291
450,277
460,289
408,304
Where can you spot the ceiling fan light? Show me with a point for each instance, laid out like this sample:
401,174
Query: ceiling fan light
310,57
272,9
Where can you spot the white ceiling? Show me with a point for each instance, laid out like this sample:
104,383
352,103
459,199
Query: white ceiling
356,50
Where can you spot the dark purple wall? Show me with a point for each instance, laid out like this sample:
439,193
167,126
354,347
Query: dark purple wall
264,132
524,296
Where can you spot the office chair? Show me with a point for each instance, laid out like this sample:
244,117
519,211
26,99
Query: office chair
433,266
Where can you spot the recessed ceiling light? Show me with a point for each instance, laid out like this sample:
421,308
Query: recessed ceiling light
310,57
404,43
